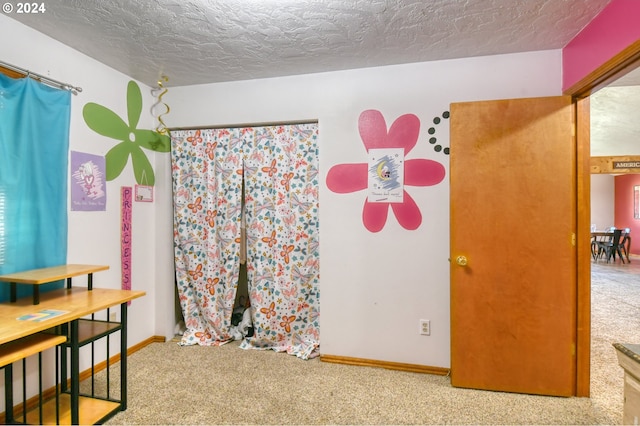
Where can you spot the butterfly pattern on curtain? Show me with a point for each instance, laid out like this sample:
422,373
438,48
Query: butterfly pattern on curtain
279,165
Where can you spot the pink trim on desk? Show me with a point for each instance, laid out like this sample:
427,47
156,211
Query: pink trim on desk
614,29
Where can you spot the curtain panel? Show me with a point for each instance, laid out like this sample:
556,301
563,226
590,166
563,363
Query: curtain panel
277,166
34,147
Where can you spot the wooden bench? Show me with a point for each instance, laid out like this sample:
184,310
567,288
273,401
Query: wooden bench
21,349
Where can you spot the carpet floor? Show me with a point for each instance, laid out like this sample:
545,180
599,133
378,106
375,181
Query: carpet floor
169,384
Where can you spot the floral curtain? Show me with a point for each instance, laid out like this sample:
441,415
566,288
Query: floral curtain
207,180
279,167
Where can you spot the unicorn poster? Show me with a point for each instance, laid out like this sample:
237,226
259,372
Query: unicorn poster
386,175
88,192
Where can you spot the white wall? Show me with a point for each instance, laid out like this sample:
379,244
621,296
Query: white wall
374,288
603,201
94,236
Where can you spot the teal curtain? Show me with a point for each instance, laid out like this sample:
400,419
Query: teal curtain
34,145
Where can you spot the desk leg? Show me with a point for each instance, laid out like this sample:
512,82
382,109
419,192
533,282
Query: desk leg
13,292
75,373
64,329
123,357
8,394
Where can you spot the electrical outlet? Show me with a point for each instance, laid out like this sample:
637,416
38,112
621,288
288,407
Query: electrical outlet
425,327
112,316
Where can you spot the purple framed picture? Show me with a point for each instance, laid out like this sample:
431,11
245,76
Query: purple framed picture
88,190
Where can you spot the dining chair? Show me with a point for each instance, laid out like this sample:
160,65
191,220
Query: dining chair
611,247
598,242
595,249
625,244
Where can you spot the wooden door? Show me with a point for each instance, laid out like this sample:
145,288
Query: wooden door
513,221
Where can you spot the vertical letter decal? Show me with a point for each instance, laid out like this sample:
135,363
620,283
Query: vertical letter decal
125,235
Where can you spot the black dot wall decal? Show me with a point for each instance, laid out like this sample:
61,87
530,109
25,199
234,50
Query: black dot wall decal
432,130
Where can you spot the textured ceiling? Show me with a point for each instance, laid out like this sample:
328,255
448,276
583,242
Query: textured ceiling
206,41
615,121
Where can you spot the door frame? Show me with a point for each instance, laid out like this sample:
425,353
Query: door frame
620,64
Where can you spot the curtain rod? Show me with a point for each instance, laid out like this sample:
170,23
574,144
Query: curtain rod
234,126
44,79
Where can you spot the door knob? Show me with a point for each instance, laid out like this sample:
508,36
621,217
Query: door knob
461,260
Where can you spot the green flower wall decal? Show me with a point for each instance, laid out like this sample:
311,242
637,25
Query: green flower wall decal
105,122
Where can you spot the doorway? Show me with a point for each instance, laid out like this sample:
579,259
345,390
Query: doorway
615,301
617,67
580,210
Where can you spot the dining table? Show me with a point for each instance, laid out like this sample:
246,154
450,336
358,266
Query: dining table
607,235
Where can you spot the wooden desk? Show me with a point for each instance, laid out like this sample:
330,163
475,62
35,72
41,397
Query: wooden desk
36,277
78,302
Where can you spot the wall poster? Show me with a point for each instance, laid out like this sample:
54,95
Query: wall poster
386,175
88,191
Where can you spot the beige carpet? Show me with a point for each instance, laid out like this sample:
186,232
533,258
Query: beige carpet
169,384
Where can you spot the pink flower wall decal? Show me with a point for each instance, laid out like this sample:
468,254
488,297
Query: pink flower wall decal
345,178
